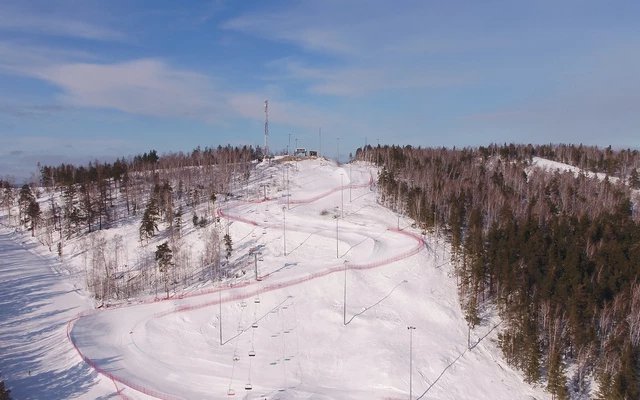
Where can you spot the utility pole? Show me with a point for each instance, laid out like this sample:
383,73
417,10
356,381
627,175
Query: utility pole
341,196
320,141
337,243
266,128
255,264
338,150
220,305
344,306
289,145
350,182
411,329
264,186
284,229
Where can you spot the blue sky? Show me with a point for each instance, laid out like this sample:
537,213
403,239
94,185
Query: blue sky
84,80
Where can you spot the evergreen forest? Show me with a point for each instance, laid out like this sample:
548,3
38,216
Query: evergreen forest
556,253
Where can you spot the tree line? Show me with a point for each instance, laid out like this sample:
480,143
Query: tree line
557,253
74,205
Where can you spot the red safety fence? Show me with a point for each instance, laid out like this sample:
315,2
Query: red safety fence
126,382
242,295
296,281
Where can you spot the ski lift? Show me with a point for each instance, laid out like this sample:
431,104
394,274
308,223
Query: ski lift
231,392
252,353
248,386
254,325
256,300
260,259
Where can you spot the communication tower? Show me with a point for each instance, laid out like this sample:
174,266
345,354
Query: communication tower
266,128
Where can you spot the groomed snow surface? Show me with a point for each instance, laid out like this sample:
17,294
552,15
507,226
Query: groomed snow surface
283,336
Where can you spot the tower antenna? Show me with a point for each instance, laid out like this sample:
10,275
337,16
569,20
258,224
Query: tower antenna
266,128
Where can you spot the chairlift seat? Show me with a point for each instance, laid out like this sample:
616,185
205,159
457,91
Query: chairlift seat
231,392
248,386
254,325
252,353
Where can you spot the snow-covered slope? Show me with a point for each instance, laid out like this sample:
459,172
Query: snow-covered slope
36,303
284,336
550,165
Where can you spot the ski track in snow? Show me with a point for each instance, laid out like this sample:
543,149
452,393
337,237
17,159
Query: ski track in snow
293,316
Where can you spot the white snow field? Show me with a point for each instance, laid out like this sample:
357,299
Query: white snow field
283,336
36,303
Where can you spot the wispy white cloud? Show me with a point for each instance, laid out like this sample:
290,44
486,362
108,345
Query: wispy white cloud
368,47
17,20
23,58
598,102
145,86
363,80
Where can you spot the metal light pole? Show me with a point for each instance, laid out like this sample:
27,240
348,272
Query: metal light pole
220,305
350,182
338,150
255,264
411,329
341,196
289,145
337,251
344,304
284,229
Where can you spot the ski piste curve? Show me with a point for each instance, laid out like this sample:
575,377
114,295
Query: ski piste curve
261,287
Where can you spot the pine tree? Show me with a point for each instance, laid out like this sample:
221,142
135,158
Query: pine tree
24,201
8,200
164,258
228,245
72,213
177,222
556,380
634,179
150,220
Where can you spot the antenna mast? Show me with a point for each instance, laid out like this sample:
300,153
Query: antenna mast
266,128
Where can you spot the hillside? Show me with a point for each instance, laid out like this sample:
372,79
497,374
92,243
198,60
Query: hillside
394,278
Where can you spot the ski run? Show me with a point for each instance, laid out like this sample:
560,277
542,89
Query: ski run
314,236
